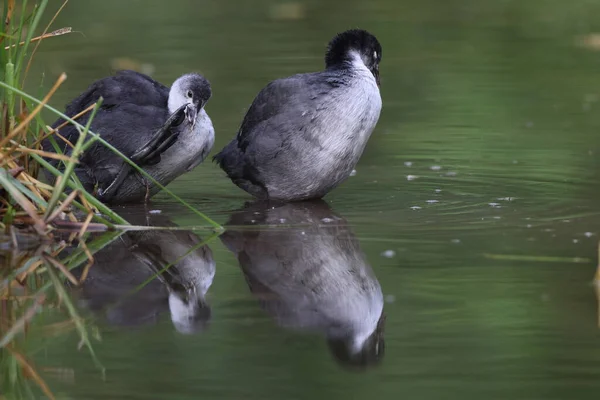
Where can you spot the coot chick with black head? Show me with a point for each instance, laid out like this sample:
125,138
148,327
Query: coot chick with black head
303,135
165,131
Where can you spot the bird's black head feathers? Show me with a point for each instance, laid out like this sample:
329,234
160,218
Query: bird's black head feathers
196,86
357,40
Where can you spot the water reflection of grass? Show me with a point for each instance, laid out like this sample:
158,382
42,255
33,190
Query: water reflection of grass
31,293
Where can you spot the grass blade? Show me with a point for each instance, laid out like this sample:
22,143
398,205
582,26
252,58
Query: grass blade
20,324
44,36
32,115
79,324
32,373
5,180
62,206
88,197
30,30
70,165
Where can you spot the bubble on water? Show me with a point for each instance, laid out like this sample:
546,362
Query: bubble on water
390,298
252,221
588,101
353,172
411,177
506,198
288,11
515,161
256,212
451,173
545,297
388,254
408,163
415,208
432,201
497,217
435,167
282,220
303,233
495,205
549,230
588,234
455,241
575,241
154,211
566,221
529,225
438,190
327,220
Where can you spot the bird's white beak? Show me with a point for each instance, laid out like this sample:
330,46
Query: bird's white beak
191,113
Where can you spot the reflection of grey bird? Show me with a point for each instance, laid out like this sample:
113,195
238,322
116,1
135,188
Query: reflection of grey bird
311,276
165,131
112,284
303,135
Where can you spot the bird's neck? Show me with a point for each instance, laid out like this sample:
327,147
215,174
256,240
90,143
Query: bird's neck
352,62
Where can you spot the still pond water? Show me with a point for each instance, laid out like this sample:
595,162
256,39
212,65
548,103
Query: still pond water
472,220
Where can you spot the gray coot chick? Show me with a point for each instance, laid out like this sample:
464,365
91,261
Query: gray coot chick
306,268
112,287
303,135
165,131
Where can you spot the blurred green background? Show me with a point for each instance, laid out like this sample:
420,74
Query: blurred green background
481,176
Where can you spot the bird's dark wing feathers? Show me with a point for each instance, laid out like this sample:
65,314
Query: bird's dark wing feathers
297,96
284,108
125,87
128,127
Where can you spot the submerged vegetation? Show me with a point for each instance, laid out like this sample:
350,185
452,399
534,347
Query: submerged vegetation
45,230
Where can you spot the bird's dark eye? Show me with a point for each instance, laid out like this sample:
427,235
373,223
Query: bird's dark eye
189,94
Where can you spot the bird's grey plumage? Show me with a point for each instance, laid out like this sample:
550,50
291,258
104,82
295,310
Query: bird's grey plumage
122,266
303,135
311,276
134,107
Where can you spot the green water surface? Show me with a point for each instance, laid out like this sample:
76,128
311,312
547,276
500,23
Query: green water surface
475,202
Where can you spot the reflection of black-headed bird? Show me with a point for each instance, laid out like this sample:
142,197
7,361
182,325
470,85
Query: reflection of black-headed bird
311,276
165,131
303,135
120,268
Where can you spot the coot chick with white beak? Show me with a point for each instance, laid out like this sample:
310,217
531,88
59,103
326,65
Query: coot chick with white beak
303,135
165,131
144,274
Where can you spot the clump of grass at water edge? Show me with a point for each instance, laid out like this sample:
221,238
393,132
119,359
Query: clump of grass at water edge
39,221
